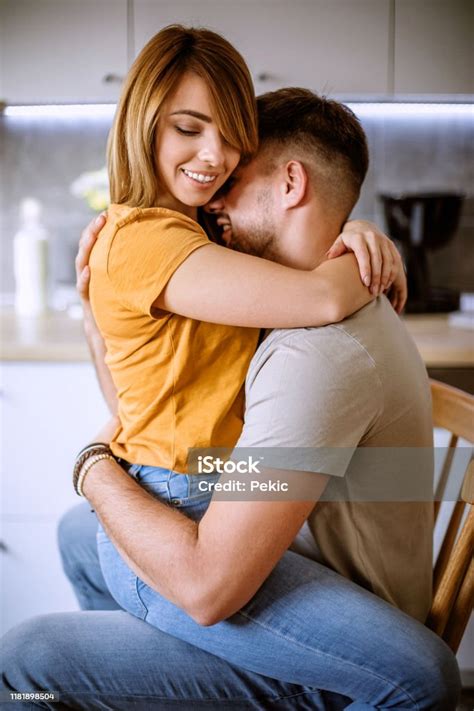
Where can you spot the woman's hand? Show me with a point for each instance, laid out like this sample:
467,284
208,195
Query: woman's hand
380,264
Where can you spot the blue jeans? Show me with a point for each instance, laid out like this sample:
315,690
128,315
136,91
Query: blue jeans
113,660
178,490
306,625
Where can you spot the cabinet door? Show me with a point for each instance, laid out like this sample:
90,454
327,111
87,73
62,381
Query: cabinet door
62,51
49,412
331,46
33,582
433,47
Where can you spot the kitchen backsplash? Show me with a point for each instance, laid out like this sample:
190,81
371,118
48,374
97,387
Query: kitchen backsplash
41,157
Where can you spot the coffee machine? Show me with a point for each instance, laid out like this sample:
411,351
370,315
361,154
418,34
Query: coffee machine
420,222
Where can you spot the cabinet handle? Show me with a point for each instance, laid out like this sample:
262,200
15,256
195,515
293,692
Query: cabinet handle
112,79
266,76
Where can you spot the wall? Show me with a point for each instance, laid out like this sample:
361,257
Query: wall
41,157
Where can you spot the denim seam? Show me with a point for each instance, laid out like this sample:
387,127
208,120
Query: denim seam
144,609
326,654
168,486
247,699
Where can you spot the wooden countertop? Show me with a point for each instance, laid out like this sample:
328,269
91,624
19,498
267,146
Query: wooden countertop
57,337
52,337
441,345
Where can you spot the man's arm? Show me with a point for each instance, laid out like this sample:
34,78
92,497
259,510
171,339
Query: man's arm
210,569
300,396
93,336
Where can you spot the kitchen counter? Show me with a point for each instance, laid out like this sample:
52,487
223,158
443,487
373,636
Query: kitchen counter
441,345
57,337
52,337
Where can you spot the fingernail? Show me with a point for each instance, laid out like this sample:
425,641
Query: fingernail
99,219
367,280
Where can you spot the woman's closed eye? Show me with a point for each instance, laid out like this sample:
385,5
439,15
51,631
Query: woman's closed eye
186,131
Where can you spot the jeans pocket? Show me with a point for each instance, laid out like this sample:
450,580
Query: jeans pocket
154,480
192,494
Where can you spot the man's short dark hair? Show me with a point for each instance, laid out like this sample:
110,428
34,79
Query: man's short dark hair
323,134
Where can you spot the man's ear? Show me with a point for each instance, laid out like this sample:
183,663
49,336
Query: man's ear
294,184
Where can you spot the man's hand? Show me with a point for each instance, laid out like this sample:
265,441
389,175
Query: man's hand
86,243
380,264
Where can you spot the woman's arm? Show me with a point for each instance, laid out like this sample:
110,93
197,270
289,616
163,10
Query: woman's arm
209,285
218,285
93,335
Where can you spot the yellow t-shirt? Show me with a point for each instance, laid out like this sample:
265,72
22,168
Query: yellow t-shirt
179,381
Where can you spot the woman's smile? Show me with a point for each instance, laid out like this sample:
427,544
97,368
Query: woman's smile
201,179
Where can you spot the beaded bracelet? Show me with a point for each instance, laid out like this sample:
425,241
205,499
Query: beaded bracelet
87,466
85,454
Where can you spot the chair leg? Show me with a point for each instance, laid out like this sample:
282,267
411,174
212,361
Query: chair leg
461,611
455,571
444,476
448,543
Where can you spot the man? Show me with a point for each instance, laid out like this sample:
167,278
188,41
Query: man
225,584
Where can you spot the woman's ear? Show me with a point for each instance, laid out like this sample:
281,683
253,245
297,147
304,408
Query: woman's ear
294,184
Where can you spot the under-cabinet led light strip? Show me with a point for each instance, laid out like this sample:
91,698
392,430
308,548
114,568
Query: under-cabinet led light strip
362,109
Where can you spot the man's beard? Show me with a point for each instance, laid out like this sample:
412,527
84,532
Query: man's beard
256,240
258,237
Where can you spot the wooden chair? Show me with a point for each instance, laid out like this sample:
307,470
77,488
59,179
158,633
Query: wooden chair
453,577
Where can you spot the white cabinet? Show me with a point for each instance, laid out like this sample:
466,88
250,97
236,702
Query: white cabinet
332,46
70,51
433,47
33,582
62,51
48,412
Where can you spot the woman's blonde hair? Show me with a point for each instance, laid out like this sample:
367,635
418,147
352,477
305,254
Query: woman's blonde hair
153,77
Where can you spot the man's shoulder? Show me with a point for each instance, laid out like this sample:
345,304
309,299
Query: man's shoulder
372,334
325,345
370,349
311,387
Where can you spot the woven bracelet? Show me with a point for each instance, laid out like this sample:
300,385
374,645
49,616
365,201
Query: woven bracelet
83,456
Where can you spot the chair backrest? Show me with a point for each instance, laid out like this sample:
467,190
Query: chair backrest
453,576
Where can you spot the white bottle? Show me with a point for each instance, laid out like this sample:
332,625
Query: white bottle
30,261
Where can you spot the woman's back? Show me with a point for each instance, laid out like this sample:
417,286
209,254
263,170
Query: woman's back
179,381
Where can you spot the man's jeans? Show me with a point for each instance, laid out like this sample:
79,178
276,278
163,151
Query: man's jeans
307,627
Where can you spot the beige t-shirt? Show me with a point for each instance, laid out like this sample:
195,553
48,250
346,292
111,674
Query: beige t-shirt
334,392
